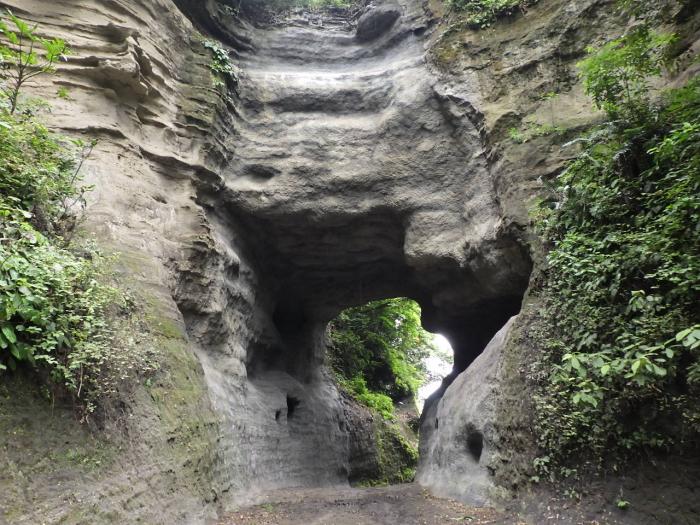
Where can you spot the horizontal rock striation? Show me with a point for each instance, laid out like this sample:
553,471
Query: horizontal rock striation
335,169
349,175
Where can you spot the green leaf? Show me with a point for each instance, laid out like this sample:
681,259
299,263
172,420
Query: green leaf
661,372
635,366
9,333
14,350
683,334
24,29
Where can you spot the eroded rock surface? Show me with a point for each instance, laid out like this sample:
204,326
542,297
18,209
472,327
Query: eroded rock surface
334,170
377,20
458,430
345,162
348,175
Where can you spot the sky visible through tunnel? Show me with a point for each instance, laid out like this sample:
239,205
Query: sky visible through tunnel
437,366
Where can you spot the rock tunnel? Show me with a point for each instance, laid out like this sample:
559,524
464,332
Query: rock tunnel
333,167
343,156
348,174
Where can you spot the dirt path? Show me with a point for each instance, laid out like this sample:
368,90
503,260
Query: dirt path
396,505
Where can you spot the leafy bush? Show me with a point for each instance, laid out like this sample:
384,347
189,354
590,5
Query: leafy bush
619,371
58,315
52,303
56,312
39,172
616,75
19,59
483,13
379,347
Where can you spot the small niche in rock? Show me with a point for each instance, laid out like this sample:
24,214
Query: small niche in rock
475,442
292,404
260,172
277,415
436,423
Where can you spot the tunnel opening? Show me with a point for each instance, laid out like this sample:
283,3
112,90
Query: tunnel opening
380,349
384,358
292,405
388,363
394,348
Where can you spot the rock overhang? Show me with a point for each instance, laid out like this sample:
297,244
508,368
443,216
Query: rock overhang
353,179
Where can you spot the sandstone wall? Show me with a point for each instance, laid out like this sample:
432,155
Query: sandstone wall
334,170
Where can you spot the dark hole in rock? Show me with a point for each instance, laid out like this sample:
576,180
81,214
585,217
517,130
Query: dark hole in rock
436,422
475,443
277,415
292,404
260,172
288,319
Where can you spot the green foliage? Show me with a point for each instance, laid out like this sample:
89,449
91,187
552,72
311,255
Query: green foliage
480,14
516,135
39,172
378,349
622,504
357,386
616,75
223,69
221,61
20,60
55,310
397,458
377,353
620,367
